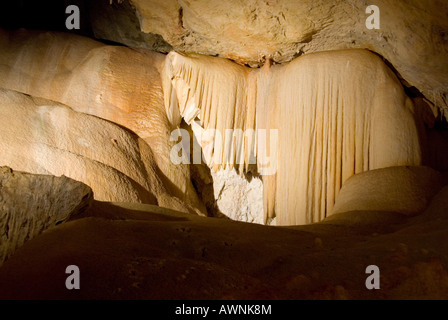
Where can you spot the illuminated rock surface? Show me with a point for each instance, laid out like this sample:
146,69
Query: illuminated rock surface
42,137
406,190
114,83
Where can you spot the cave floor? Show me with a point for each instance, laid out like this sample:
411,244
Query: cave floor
133,251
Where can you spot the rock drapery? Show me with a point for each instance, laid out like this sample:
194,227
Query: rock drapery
336,129
351,139
337,113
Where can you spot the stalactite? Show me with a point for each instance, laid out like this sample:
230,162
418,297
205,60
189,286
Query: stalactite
214,91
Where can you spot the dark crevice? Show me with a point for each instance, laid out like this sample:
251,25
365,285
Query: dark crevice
48,15
181,17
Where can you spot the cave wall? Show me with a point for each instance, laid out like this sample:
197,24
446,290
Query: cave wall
110,82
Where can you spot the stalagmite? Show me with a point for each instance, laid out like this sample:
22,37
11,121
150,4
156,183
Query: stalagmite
336,114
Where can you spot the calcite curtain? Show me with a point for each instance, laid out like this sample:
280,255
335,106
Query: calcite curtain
331,114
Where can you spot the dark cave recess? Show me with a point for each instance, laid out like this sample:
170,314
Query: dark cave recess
43,15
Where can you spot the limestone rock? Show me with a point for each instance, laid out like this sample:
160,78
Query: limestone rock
118,22
111,82
406,190
412,34
237,197
339,113
43,137
366,220
31,204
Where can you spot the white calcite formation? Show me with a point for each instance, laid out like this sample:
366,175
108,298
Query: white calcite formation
307,125
239,198
337,114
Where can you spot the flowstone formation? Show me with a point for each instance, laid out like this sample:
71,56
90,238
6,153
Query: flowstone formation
325,116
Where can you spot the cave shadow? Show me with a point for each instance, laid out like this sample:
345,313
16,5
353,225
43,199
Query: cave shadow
135,211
